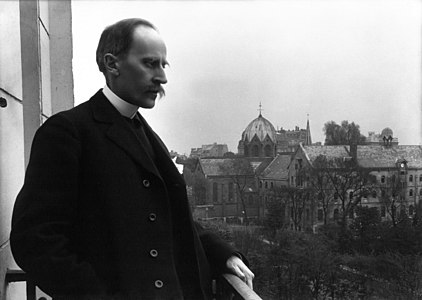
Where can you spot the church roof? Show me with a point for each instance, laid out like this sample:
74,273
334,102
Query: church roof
260,127
277,169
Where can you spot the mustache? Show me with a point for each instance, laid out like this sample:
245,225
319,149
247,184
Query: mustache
158,89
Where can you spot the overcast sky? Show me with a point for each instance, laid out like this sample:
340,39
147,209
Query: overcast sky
356,60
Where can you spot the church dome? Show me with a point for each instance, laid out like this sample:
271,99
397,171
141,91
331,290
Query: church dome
259,127
387,132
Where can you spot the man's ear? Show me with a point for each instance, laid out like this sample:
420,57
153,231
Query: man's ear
111,64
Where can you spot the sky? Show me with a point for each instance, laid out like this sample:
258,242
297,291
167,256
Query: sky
334,60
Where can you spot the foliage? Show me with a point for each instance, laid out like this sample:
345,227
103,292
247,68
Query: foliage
275,217
344,134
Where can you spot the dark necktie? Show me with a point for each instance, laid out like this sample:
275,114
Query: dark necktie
139,129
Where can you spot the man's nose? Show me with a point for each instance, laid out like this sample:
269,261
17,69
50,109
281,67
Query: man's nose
160,76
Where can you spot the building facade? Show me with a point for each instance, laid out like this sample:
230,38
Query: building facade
35,82
395,190
212,150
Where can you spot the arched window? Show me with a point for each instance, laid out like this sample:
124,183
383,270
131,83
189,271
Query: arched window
266,184
272,184
215,192
255,151
410,178
411,192
382,179
268,151
231,193
411,210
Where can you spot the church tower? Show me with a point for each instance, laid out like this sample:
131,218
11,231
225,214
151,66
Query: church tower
308,140
258,139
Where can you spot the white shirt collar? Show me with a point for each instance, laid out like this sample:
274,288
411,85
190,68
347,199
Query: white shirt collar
126,109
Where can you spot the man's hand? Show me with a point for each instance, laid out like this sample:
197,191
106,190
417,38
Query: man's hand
236,265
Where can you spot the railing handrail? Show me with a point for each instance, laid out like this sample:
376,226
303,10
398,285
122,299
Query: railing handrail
241,287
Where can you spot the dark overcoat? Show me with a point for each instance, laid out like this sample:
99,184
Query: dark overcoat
98,217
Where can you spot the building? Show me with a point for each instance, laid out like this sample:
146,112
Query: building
288,140
212,150
229,187
260,139
35,73
386,135
397,172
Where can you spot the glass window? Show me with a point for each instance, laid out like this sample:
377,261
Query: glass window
266,184
420,177
411,192
214,192
382,179
411,210
410,178
231,193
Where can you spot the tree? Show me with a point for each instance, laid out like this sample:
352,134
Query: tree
297,199
392,196
344,134
316,178
365,229
350,183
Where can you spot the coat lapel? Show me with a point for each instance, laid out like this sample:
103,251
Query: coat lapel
120,133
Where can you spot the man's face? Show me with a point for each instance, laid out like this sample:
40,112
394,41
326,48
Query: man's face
141,70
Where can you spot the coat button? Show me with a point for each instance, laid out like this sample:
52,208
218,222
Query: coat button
146,183
152,217
153,253
158,284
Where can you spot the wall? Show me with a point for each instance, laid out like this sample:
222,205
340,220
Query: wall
35,60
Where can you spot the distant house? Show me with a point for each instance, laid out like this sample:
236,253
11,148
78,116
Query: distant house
212,150
230,184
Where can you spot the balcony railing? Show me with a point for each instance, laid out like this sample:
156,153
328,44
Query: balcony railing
227,287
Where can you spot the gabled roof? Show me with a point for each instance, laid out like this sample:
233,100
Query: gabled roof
224,166
330,152
378,156
369,156
278,168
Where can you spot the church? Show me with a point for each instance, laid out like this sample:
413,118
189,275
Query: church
232,193
260,139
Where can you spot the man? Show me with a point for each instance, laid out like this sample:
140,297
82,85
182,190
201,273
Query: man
103,212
